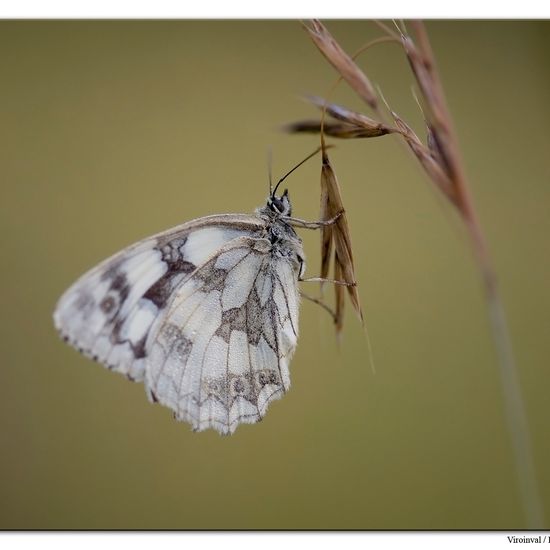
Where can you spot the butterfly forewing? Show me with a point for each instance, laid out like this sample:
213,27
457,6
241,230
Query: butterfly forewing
206,314
107,313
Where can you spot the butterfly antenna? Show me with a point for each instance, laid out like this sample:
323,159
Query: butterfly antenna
270,169
290,171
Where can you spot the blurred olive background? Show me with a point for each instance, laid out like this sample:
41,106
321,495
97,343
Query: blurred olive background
112,131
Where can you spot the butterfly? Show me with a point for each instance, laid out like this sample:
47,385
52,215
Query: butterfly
204,314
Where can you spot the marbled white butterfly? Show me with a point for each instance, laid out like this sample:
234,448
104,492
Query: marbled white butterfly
205,314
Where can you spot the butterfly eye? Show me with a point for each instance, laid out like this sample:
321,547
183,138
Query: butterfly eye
277,205
280,205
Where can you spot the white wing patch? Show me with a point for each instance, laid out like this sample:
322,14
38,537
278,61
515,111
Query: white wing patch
239,281
228,260
202,243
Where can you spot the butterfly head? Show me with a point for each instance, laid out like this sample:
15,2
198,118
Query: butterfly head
279,206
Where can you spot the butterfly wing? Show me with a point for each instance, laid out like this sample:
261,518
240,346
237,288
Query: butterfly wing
221,350
108,313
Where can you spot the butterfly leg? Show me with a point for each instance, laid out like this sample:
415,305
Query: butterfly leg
322,280
313,225
319,303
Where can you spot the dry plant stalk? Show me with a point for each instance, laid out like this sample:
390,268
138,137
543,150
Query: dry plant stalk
441,160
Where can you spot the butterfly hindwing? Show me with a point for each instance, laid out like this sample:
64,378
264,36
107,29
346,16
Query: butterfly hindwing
108,313
221,351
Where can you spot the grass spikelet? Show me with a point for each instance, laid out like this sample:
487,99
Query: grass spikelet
341,61
339,236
